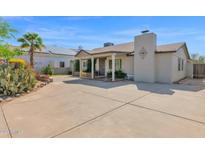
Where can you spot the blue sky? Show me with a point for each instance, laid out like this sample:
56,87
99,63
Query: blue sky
92,32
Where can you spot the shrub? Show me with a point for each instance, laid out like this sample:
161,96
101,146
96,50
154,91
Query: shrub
16,80
118,74
7,52
18,61
48,70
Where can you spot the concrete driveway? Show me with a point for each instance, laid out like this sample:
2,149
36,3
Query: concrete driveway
70,107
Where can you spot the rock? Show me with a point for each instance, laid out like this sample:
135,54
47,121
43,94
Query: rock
17,95
51,79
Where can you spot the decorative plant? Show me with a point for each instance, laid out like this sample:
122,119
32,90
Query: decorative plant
118,74
16,80
17,61
48,70
33,42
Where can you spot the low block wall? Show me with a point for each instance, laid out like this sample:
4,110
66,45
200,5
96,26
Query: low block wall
61,70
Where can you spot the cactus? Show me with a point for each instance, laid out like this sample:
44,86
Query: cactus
16,80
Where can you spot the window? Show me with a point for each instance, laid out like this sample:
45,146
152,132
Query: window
110,64
118,64
179,64
182,65
62,64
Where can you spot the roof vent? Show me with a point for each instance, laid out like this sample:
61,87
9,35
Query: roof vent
108,44
145,31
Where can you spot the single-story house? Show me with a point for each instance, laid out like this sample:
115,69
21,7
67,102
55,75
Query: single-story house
142,60
56,57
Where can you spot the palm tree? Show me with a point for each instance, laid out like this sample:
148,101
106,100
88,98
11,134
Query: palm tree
33,42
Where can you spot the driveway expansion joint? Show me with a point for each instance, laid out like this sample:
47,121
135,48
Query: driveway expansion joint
7,125
101,115
170,114
92,119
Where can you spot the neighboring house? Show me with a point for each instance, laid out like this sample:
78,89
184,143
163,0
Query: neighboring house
59,61
142,60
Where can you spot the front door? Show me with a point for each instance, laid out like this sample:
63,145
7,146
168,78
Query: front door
102,66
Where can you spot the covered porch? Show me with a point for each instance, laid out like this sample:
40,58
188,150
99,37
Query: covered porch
99,66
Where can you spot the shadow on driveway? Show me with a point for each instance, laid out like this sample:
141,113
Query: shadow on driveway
151,87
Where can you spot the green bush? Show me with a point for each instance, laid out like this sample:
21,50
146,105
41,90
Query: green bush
16,80
118,74
48,70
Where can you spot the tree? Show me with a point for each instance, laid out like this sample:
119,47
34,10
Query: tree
6,51
6,31
196,58
33,42
201,59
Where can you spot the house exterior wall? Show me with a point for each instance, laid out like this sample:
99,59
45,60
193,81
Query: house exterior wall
164,68
189,69
146,65
144,57
176,74
128,66
42,60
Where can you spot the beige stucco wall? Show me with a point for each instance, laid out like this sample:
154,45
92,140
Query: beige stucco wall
177,75
189,69
144,68
164,68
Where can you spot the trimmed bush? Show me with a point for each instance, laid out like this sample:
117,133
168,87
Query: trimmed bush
48,70
118,74
16,80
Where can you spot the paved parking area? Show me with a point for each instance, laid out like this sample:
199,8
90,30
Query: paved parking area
70,107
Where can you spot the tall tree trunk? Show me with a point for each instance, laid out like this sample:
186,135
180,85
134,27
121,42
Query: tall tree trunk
31,57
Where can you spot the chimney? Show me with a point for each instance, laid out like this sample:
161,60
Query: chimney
144,56
108,44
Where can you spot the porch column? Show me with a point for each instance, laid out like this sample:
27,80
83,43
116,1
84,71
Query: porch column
106,66
92,67
80,61
113,67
